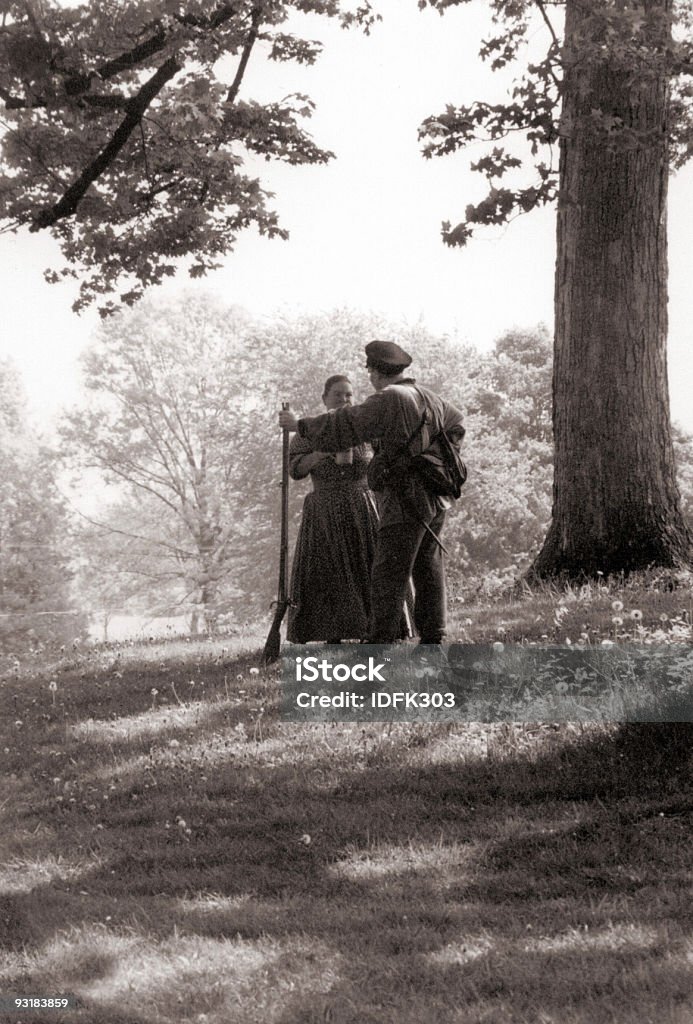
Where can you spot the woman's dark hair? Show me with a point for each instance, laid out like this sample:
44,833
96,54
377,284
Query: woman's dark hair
334,379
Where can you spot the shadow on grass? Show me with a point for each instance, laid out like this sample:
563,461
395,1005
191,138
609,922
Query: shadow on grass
485,891
501,889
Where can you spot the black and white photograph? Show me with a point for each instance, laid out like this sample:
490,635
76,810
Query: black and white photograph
346,509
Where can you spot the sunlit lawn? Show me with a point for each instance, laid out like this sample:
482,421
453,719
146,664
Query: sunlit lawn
172,852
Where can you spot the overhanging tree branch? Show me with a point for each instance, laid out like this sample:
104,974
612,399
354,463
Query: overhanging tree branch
129,59
66,206
245,56
542,8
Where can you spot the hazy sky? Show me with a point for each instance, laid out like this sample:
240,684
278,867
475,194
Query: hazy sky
365,229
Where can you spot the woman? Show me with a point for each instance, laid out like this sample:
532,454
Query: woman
330,577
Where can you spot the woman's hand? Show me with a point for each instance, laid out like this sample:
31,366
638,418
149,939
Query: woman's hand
287,420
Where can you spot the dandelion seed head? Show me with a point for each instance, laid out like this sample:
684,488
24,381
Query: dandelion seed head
636,615
617,606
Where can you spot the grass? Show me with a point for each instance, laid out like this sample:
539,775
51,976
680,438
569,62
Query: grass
183,855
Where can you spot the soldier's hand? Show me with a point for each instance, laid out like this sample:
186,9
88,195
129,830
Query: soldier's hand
287,420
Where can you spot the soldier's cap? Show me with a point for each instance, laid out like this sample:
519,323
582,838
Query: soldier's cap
387,353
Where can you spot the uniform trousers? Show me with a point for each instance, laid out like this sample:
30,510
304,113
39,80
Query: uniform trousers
402,550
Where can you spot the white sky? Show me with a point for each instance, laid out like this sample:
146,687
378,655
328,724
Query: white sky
365,229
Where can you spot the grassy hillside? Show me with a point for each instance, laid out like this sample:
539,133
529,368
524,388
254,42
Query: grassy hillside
173,852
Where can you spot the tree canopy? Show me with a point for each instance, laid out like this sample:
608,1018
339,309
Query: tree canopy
633,39
36,568
126,133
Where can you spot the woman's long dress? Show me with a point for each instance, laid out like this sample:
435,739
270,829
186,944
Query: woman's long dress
330,576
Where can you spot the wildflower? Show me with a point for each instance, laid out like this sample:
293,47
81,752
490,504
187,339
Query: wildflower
568,641
305,839
607,643
617,620
561,687
173,743
636,615
664,617
52,686
154,691
181,823
498,646
255,671
617,606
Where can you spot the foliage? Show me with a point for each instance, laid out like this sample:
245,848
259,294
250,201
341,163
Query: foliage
125,133
683,450
193,440
632,39
36,604
164,396
125,564
504,510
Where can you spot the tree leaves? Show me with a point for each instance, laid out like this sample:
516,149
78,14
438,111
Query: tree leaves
124,138
631,39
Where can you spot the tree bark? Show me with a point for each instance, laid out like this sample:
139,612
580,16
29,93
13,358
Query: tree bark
616,506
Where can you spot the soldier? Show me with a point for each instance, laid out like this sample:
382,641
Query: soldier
411,516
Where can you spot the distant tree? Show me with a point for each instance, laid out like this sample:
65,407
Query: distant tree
117,568
165,385
683,452
501,518
196,461
125,133
36,602
602,95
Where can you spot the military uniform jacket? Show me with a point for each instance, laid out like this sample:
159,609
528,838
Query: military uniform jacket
387,419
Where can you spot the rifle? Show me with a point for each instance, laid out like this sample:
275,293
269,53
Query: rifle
270,651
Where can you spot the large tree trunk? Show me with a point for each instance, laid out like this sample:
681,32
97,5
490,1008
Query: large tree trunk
615,502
